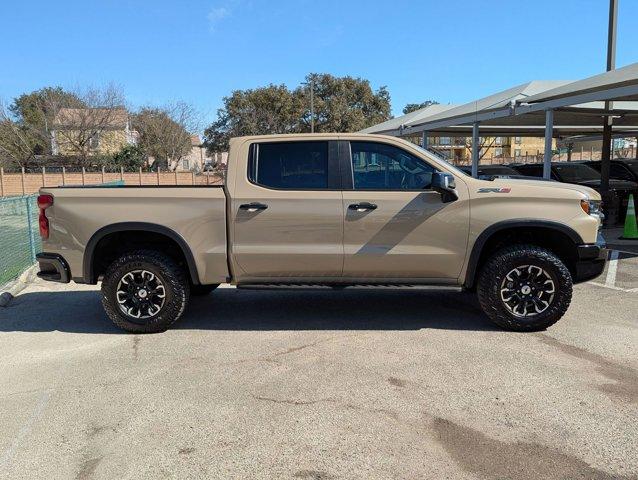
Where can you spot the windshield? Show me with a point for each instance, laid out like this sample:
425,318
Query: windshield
576,172
633,166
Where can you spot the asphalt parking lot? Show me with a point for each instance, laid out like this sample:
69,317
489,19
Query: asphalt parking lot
321,385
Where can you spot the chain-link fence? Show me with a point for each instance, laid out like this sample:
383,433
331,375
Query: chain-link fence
19,236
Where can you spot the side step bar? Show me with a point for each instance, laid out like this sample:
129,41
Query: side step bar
278,286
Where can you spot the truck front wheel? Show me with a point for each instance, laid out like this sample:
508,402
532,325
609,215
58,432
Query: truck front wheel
524,288
144,291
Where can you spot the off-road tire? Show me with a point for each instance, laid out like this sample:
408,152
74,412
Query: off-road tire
170,274
201,290
497,268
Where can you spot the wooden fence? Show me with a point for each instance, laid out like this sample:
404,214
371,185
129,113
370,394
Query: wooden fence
26,183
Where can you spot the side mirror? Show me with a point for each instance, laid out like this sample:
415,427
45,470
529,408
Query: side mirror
445,184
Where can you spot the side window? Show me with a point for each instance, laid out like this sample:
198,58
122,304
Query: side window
532,170
377,166
289,165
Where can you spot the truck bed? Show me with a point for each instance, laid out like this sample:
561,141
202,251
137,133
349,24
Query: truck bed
193,215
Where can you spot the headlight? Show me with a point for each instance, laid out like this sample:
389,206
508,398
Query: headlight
591,207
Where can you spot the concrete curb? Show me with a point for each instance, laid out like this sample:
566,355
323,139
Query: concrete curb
11,289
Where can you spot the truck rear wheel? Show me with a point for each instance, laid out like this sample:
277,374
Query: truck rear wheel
524,288
144,291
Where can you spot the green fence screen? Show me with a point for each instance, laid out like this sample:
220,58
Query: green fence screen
19,236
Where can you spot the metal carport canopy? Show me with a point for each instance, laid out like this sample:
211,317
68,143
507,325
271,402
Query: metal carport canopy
578,120
395,126
619,84
497,106
494,108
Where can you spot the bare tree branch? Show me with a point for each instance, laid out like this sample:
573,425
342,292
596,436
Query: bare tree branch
165,132
76,128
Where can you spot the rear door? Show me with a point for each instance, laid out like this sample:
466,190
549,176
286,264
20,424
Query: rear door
286,212
396,227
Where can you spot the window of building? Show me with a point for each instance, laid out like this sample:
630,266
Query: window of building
185,164
498,152
290,165
517,152
517,140
498,141
444,141
378,166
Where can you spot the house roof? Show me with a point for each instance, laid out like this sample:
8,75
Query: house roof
195,140
112,118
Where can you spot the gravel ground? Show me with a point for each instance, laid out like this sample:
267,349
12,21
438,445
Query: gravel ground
363,384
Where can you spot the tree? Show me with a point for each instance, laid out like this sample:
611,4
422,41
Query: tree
164,132
76,128
343,104
38,108
25,123
265,110
130,157
18,144
411,107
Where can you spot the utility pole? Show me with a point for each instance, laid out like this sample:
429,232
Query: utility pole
312,104
605,164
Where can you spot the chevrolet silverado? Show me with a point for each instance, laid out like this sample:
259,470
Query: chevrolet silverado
326,210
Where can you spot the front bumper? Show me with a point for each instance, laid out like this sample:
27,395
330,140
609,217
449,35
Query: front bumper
53,268
591,260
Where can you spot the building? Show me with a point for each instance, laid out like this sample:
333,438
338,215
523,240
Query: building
197,159
91,131
493,149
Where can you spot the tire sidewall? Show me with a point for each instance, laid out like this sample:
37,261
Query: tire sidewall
176,292
504,262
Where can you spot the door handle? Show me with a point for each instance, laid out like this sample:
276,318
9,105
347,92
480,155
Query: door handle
362,207
253,206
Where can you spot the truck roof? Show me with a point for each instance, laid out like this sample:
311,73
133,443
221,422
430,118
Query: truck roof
319,136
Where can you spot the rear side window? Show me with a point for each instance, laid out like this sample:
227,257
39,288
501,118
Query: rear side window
289,165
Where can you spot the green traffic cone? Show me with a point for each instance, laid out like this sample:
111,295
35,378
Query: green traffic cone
631,228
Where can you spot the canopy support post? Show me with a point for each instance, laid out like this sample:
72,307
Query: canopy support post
475,149
424,140
549,133
606,154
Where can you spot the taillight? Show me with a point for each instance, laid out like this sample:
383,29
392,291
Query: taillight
44,202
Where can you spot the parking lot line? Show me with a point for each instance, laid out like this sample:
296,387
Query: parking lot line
612,269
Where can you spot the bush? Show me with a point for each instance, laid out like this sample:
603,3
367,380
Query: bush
131,157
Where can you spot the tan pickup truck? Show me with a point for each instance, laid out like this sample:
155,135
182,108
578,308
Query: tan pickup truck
329,210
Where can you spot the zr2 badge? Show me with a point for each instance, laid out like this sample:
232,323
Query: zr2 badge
494,190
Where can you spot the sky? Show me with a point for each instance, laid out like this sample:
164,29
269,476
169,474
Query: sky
199,51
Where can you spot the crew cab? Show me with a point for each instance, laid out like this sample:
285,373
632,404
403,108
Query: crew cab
330,210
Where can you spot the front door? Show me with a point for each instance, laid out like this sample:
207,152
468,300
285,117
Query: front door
287,213
395,226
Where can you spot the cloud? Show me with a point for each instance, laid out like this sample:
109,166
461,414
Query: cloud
216,15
